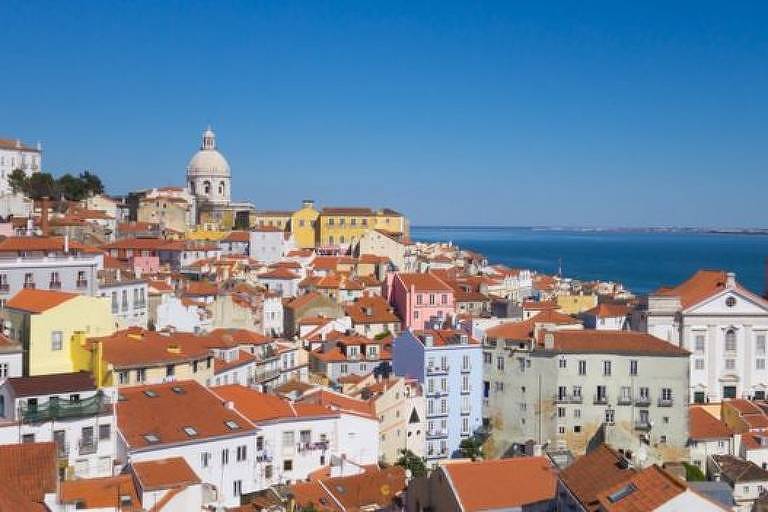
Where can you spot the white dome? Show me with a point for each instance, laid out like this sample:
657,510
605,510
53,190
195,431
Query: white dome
208,161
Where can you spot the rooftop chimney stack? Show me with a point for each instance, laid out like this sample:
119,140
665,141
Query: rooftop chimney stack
730,280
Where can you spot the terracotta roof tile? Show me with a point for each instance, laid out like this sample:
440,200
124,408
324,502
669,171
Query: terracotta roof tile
30,470
106,492
703,425
33,300
647,490
278,273
593,473
423,282
605,310
51,384
698,287
164,473
371,310
581,341
261,407
495,484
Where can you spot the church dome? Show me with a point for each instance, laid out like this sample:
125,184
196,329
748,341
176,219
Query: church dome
208,161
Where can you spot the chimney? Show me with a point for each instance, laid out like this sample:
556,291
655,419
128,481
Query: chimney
730,280
66,244
44,215
429,340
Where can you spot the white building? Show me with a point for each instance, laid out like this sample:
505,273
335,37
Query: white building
268,244
722,324
295,439
11,360
66,409
281,281
16,155
707,436
184,419
272,315
183,315
208,174
129,301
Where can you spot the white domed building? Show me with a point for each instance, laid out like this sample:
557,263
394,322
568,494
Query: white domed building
208,175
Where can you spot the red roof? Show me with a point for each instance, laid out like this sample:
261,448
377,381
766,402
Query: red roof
33,300
698,287
496,484
164,473
581,341
42,243
102,493
28,471
703,425
278,273
591,474
423,282
262,407
647,490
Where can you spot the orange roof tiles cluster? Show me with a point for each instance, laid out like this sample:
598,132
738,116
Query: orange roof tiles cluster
647,490
163,414
43,244
106,492
423,282
496,484
339,402
164,473
703,284
261,407
581,341
27,473
606,310
703,425
591,474
37,301
371,310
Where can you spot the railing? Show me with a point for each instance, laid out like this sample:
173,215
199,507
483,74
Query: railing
82,283
59,409
437,433
29,285
465,391
665,402
87,446
437,413
624,400
266,375
436,392
466,369
642,425
643,401
601,399
54,285
5,287
319,445
568,399
437,370
263,456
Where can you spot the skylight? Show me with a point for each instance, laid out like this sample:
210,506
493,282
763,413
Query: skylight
190,431
150,393
231,425
151,438
622,493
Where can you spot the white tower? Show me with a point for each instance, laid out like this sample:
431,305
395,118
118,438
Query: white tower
208,177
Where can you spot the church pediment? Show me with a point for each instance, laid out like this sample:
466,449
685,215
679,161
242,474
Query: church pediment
732,301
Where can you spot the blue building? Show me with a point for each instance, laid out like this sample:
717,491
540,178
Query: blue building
449,365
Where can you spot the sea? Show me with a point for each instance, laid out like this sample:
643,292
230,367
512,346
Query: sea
641,260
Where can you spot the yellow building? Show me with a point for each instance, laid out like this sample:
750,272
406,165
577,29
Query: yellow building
575,304
303,225
275,218
393,222
50,324
343,226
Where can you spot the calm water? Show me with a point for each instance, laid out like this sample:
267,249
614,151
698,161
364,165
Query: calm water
641,261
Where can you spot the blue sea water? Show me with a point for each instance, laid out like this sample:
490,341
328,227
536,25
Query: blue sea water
641,260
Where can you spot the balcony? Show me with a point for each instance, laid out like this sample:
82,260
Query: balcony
568,399
624,400
437,370
263,456
466,369
600,400
87,446
54,285
61,409
644,425
643,401
665,402
29,285
82,283
62,450
435,414
437,433
306,447
5,288
437,392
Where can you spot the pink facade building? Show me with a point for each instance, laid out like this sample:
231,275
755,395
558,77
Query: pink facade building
420,298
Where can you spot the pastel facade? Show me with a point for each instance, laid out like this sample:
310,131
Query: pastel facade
421,299
16,155
304,225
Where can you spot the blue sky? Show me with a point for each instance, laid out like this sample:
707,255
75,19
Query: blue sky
572,113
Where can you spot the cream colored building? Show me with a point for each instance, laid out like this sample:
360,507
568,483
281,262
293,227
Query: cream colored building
398,249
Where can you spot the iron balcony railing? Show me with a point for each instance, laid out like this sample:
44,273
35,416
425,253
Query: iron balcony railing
601,399
624,400
665,402
643,401
87,446
437,370
568,398
61,409
643,425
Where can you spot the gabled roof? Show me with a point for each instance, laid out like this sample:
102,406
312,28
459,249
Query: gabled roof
29,472
610,342
701,285
52,384
102,493
373,488
647,490
739,470
164,473
503,483
703,425
157,415
278,273
339,402
261,407
370,310
593,473
423,282
605,310
42,243
37,301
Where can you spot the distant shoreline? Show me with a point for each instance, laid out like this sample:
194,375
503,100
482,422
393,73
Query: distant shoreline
591,229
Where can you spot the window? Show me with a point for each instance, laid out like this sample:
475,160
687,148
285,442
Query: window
241,453
444,299
730,302
287,465
561,430
563,363
288,439
487,358
28,438
124,304
431,299
760,344
577,429
730,364
170,370
577,392
699,342
57,340
666,394
633,367
582,367
760,363
141,375
122,377
115,308
225,456
205,459
577,413
698,364
610,416
607,368
500,363
730,340
419,299
237,485
3,371
561,412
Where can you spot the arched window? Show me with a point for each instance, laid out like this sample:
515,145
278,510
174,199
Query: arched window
207,187
221,188
730,340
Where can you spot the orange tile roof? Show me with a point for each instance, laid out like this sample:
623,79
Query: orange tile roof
263,407
33,300
200,288
243,358
371,310
164,473
42,243
703,425
375,487
649,489
30,470
698,287
581,341
744,406
443,337
303,300
525,329
237,236
594,472
343,403
278,273
605,310
136,347
496,484
423,282
103,492
241,336
174,406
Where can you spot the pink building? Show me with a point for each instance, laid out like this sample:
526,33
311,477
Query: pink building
418,298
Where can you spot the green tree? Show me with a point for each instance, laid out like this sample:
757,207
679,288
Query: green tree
410,460
18,181
471,448
40,185
91,183
71,187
